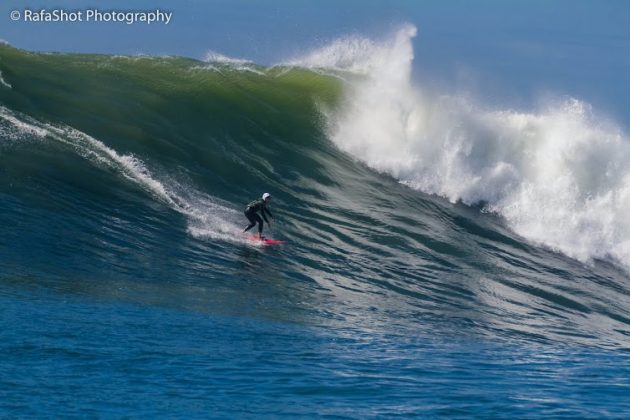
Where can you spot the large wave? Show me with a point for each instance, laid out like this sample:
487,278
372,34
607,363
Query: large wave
559,175
168,151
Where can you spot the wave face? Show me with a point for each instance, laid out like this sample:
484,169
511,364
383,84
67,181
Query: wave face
198,140
124,179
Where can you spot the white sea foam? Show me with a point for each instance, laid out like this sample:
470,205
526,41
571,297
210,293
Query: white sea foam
215,57
207,216
238,64
559,175
4,82
14,128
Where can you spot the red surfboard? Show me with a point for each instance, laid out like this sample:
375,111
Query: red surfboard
266,241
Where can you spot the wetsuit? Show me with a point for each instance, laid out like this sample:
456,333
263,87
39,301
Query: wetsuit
251,212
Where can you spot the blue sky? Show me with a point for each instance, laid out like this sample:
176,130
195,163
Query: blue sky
508,52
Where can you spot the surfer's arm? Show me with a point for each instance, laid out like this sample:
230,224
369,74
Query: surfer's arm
266,210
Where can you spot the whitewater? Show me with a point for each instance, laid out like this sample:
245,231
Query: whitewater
558,175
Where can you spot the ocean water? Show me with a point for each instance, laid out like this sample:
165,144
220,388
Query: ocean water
443,258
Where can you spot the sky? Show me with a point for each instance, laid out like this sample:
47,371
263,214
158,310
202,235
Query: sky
510,53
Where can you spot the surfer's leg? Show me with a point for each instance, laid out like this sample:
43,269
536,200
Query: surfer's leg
252,221
260,225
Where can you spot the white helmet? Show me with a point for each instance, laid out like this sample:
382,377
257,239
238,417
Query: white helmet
266,196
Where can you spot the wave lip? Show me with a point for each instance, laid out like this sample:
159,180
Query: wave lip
362,55
216,57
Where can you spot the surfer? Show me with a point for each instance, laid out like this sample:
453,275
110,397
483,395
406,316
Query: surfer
251,212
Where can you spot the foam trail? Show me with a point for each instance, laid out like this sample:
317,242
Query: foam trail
207,217
4,82
559,175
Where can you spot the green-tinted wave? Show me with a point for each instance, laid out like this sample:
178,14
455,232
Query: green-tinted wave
128,168
176,111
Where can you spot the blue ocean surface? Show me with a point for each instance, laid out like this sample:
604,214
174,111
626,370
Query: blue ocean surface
78,355
444,257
